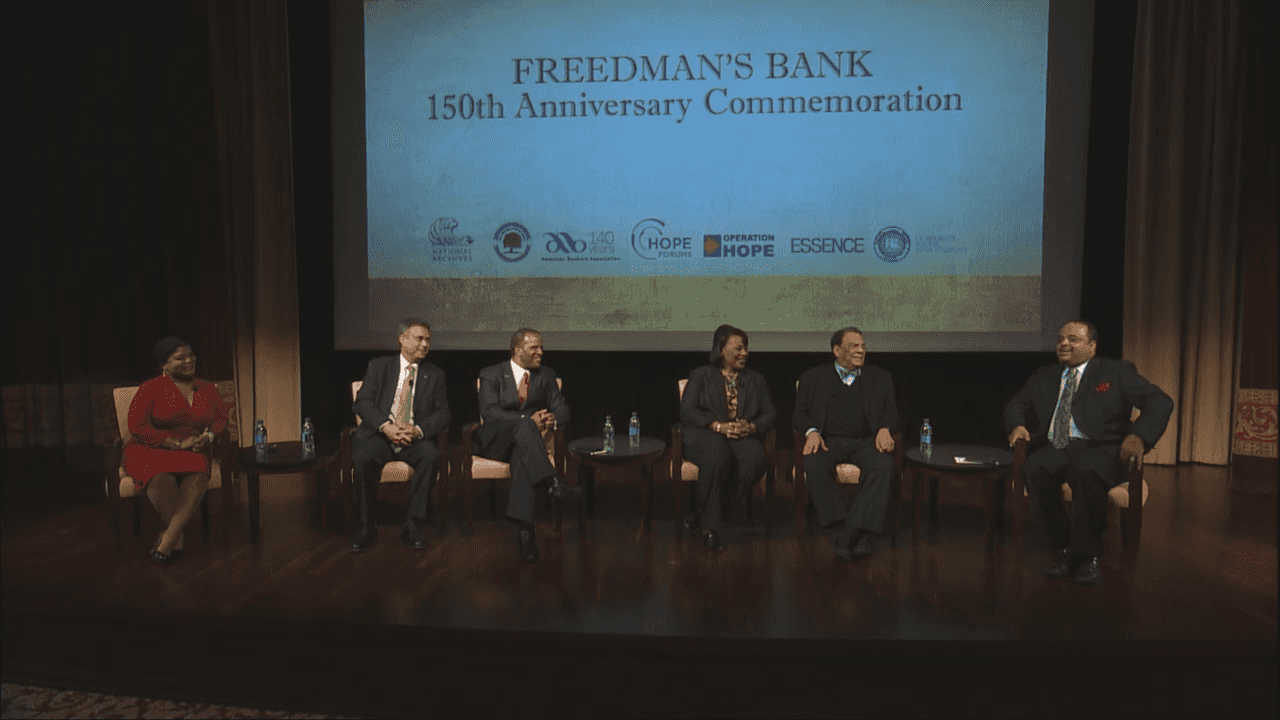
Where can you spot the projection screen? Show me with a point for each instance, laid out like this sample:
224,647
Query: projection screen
628,175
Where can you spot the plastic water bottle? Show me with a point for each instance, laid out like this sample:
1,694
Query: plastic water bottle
608,434
926,439
260,440
308,439
633,432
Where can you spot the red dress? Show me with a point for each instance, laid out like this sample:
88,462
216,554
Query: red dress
160,412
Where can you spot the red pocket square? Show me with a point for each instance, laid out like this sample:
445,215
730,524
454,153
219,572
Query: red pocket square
1103,387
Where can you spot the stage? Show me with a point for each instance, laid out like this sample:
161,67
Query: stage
615,622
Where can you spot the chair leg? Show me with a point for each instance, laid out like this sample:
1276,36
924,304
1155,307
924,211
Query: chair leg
204,518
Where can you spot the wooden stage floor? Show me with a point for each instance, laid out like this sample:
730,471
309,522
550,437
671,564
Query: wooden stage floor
615,622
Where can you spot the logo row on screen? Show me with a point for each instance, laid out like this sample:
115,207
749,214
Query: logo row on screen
650,240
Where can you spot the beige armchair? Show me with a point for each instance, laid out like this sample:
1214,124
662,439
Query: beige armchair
1129,497
471,468
119,486
849,474
393,472
681,470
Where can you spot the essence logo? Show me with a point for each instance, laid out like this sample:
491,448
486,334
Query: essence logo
564,243
892,244
512,242
650,242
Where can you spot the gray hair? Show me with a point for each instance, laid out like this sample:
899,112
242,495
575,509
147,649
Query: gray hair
409,322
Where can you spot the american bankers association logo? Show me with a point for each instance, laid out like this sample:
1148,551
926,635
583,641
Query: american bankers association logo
511,242
892,244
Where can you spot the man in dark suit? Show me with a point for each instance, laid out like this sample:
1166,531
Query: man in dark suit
1081,407
520,403
847,413
402,407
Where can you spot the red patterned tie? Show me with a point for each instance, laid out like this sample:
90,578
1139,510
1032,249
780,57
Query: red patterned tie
522,389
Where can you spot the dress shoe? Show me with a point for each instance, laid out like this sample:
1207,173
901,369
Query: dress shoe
711,541
161,558
691,521
527,541
856,550
1089,573
561,491
412,536
363,539
1061,566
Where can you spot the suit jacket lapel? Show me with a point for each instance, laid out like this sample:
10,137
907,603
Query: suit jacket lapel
391,378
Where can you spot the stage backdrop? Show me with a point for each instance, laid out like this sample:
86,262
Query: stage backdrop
625,175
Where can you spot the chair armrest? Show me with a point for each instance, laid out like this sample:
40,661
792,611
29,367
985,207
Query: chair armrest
899,454
797,458
224,448
675,453
112,472
466,449
1019,459
560,451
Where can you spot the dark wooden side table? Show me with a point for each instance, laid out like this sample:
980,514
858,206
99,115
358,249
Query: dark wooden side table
586,455
990,466
285,457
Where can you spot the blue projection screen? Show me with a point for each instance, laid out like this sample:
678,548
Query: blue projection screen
629,175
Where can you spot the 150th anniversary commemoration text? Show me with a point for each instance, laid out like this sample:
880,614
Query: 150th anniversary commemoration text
549,75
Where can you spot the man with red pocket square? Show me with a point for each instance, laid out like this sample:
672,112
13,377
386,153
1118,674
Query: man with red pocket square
1080,409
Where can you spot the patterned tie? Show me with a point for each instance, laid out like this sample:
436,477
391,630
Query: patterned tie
522,389
406,397
848,376
1062,416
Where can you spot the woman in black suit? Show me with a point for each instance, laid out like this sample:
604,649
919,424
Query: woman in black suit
725,410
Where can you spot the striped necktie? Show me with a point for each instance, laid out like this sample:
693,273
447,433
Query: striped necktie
1062,416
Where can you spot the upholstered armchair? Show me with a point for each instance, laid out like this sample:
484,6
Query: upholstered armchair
1128,497
472,469
393,472
680,470
119,486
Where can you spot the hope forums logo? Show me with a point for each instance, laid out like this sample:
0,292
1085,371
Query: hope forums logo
650,242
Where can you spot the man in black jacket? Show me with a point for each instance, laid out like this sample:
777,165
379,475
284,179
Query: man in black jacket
847,414
1081,407
520,402
402,407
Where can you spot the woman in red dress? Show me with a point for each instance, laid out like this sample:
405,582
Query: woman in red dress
173,421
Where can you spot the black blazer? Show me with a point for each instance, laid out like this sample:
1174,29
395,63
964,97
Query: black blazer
818,386
704,399
1105,397
373,401
499,403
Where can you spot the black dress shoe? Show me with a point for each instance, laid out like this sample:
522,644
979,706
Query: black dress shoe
711,541
561,491
1061,566
1089,573
858,549
412,537
691,522
363,539
161,558
528,544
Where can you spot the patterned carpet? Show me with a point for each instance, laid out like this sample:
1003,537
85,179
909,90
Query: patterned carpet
28,701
